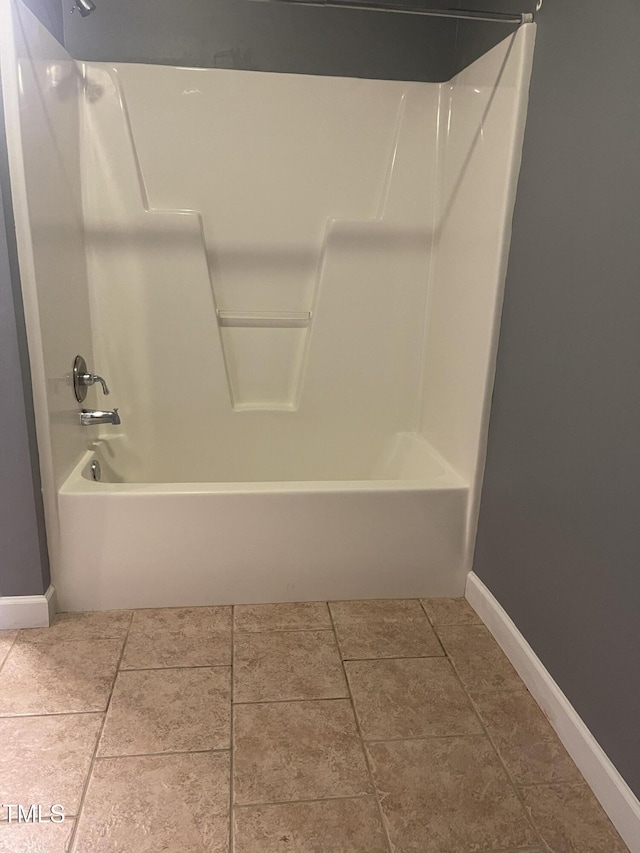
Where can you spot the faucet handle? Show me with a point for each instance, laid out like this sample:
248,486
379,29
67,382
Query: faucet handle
95,378
82,379
88,379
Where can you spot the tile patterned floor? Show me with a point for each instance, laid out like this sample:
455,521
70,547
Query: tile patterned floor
348,727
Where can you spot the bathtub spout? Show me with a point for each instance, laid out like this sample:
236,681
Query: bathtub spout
90,416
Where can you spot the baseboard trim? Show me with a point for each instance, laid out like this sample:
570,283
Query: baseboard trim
615,796
27,611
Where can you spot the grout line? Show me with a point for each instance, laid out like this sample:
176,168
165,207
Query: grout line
164,668
50,714
510,778
148,609
59,641
294,700
284,631
420,601
397,657
433,627
390,846
231,839
162,754
74,832
9,650
422,737
313,800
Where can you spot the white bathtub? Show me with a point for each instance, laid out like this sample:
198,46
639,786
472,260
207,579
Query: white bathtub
157,544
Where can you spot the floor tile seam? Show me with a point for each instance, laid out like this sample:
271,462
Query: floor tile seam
522,687
72,839
467,736
231,836
496,751
344,698
285,700
448,624
201,632
238,632
62,641
411,622
438,626
422,600
47,641
177,639
165,668
37,714
351,797
376,794
359,600
187,607
163,754
9,650
433,627
493,649
397,657
398,618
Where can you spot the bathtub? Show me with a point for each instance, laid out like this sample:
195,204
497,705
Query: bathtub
400,533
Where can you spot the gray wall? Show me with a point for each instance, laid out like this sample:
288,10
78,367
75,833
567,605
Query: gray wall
559,534
51,14
264,36
278,37
24,566
472,39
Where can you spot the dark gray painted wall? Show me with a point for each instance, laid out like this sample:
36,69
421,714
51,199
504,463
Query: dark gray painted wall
559,534
264,36
24,565
472,39
271,37
51,14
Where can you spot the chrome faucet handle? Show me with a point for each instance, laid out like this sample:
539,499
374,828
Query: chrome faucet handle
83,378
91,379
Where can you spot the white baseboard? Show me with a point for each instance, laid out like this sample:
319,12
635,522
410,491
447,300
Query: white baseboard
27,611
615,796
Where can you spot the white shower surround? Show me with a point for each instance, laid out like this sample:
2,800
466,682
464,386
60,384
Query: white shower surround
332,457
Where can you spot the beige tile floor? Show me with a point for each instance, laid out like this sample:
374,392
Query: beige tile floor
348,727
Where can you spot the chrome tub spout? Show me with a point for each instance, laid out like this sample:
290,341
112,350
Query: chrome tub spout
90,416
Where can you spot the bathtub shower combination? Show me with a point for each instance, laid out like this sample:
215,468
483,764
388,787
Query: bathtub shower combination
292,285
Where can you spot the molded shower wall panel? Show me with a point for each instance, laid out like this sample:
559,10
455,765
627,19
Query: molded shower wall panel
259,249
482,125
40,90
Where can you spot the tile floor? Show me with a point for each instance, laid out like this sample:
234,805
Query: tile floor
348,727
